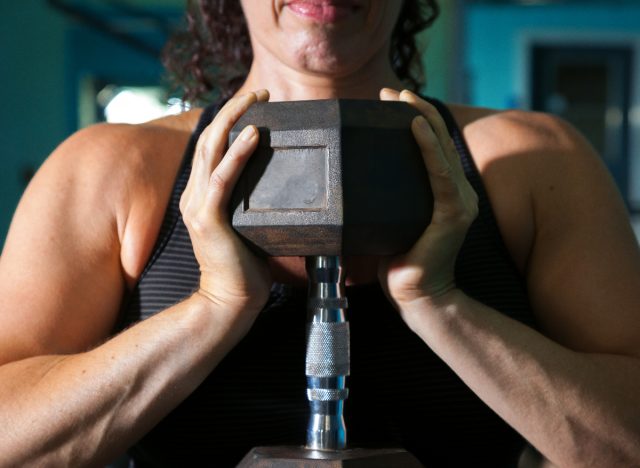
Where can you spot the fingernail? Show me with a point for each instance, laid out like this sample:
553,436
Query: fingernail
248,133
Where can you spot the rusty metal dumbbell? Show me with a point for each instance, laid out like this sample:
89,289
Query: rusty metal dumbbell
329,179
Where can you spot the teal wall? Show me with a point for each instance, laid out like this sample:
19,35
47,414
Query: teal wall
496,62
441,53
493,34
43,57
32,105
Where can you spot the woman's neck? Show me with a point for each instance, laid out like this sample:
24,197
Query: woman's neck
288,84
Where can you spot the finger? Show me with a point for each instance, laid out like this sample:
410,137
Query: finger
389,94
429,111
434,158
262,95
438,124
214,138
441,174
455,201
225,175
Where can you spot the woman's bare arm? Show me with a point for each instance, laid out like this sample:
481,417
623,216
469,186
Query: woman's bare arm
85,408
67,396
574,393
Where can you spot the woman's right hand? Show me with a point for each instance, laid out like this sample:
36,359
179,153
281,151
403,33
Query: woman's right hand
231,276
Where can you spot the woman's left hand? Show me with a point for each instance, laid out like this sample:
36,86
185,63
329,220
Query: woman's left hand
425,274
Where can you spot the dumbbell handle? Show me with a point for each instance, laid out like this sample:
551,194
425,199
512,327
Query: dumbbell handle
327,357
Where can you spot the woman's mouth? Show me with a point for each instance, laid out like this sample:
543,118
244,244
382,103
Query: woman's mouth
323,11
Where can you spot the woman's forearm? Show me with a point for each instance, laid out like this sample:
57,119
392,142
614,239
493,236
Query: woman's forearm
577,409
86,408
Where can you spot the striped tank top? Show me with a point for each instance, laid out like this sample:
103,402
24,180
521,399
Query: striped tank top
400,392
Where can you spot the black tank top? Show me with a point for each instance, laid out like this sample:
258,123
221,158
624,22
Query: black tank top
401,393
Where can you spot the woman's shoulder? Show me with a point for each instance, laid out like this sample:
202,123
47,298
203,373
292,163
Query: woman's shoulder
122,172
523,156
123,158
514,131
534,148
106,146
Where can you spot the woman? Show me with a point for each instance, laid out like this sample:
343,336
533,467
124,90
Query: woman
99,221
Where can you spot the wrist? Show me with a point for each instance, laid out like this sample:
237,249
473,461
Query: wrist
426,308
241,300
232,314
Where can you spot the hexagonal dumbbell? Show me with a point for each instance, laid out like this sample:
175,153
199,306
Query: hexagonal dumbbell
332,177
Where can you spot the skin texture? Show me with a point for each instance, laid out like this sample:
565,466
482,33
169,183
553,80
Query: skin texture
72,395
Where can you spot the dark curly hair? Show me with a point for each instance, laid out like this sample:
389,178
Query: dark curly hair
209,59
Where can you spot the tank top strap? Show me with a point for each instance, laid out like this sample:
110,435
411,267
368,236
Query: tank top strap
486,215
173,209
171,219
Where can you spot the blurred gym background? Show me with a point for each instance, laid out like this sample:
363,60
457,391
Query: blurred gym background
66,64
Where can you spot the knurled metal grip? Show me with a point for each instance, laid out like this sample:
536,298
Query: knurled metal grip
327,394
327,349
327,358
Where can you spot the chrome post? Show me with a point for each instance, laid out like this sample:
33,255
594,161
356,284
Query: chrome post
327,357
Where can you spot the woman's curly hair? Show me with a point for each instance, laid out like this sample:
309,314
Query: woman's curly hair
210,58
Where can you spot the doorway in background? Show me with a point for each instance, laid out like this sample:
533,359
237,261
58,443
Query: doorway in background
591,88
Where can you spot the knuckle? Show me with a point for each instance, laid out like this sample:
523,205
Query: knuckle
467,216
474,210
188,218
231,102
197,225
431,111
204,147
456,214
199,152
217,132
468,213
452,146
183,204
459,209
233,152
237,153
432,138
444,171
217,183
186,206
407,95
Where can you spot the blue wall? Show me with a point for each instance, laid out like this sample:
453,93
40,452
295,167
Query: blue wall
493,34
497,64
32,78
43,56
440,46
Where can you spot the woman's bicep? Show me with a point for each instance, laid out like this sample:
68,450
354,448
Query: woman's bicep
60,277
584,268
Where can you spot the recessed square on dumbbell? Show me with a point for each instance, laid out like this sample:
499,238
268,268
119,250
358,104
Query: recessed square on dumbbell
332,177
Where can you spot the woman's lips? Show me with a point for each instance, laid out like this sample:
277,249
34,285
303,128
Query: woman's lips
323,11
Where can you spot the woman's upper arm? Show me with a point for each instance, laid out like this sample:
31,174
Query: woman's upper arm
61,280
566,228
583,270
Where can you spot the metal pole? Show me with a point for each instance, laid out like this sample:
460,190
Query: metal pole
327,358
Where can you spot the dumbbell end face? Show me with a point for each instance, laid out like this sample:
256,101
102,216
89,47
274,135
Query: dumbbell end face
332,177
